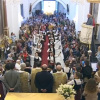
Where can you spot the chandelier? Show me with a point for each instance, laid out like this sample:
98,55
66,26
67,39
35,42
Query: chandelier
13,1
78,1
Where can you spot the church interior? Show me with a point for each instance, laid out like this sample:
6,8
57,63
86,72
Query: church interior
50,49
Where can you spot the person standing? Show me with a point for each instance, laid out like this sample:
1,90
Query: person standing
33,74
97,78
12,79
90,20
44,80
59,78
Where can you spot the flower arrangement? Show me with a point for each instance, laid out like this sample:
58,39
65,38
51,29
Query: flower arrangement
67,91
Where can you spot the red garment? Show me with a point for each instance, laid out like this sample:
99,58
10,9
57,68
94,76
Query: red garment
65,46
26,35
25,55
93,22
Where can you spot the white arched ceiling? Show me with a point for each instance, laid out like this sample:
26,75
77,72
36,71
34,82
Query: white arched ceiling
35,2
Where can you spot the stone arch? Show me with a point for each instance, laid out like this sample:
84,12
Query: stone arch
35,2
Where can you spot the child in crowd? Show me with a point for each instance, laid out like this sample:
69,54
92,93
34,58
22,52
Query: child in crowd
77,82
13,37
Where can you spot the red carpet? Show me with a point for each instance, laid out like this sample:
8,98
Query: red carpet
44,51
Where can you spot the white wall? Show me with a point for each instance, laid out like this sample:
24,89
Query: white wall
38,6
13,18
26,5
61,8
98,18
72,11
81,15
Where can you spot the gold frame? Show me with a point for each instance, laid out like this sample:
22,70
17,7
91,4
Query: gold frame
94,1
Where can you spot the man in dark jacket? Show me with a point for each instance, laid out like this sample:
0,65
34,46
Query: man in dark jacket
90,20
44,80
87,70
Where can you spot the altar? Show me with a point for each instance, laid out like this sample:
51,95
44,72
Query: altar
34,96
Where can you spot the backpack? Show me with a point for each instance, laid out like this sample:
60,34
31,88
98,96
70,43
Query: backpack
69,73
77,87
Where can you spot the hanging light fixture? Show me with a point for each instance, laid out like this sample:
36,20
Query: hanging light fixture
13,1
78,1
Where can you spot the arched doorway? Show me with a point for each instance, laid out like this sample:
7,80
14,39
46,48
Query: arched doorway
37,2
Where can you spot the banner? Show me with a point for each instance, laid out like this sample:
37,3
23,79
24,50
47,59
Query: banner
86,34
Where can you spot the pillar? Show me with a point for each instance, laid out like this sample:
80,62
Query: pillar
5,29
98,21
1,17
95,11
14,18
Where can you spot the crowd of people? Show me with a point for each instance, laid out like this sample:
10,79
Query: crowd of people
23,70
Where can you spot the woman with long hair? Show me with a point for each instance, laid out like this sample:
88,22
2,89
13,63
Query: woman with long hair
91,90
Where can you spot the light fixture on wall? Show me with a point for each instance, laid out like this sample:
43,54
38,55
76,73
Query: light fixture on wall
13,1
82,2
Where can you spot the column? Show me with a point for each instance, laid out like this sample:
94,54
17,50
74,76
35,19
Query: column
14,18
98,17
98,21
81,14
95,11
5,29
1,17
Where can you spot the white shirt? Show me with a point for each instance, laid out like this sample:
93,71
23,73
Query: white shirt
39,50
17,66
66,70
49,50
78,82
40,59
51,58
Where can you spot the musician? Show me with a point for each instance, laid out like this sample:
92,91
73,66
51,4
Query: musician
44,37
38,50
51,49
51,58
39,44
51,37
36,58
42,40
51,42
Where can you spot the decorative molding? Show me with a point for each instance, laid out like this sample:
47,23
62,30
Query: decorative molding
94,1
86,34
